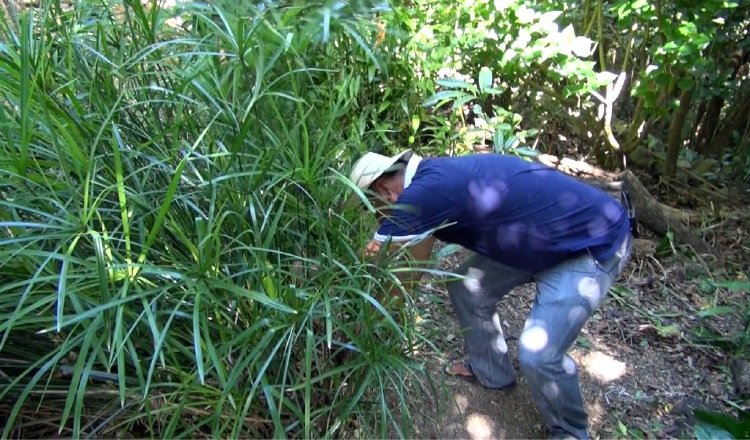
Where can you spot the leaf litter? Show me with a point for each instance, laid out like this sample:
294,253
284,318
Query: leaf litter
644,357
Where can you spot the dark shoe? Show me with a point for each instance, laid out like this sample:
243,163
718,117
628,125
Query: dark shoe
561,435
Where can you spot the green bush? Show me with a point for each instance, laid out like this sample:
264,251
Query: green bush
175,256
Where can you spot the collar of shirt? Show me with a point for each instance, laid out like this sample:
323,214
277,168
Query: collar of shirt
411,169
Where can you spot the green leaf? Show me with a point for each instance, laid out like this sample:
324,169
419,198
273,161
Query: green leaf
449,249
460,102
715,311
453,83
498,140
526,151
442,96
508,56
435,299
485,79
621,426
733,286
550,16
582,47
720,424
710,432
669,330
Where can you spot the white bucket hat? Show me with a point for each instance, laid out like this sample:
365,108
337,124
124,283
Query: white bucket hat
371,166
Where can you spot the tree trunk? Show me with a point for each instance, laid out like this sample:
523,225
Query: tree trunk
700,112
707,129
653,215
737,122
675,133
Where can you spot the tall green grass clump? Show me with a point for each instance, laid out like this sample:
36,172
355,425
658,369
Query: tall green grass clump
176,256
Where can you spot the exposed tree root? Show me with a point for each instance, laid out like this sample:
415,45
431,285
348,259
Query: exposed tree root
657,218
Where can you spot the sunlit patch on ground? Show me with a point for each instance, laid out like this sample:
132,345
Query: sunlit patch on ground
603,367
632,379
480,427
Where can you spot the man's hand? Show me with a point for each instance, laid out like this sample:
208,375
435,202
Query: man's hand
419,252
372,248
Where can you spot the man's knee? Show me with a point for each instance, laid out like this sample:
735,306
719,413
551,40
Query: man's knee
531,362
545,363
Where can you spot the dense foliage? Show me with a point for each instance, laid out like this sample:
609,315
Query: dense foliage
657,84
177,254
166,192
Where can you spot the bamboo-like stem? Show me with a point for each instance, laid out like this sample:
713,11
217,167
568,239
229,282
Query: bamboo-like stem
600,19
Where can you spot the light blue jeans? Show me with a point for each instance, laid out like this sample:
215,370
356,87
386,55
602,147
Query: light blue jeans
567,295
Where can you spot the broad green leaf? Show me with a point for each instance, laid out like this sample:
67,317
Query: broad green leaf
485,79
705,431
714,311
550,16
442,96
669,330
723,425
605,77
452,83
733,286
526,151
582,46
460,102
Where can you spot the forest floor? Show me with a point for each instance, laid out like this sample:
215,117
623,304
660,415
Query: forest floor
642,363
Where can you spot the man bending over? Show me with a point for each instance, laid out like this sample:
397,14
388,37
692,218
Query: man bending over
524,222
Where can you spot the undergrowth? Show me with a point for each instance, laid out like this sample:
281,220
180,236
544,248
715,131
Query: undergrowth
167,189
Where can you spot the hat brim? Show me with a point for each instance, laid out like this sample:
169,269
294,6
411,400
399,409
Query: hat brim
371,166
368,169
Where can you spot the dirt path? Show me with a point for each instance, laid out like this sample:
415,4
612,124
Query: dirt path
639,373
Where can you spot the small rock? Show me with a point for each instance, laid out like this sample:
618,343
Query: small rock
644,247
740,369
685,407
450,337
715,389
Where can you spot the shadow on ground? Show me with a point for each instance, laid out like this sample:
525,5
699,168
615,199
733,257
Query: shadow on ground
636,381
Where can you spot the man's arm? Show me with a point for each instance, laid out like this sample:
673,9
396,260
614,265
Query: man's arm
419,252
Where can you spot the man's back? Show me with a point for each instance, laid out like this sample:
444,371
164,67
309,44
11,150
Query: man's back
521,214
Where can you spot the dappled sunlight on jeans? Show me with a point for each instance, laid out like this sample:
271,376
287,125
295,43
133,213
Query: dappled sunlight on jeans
500,345
534,338
577,315
551,390
589,288
569,365
473,279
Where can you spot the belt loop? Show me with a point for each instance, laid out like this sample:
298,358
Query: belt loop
630,209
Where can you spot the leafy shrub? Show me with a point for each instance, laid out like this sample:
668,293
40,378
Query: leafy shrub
175,256
539,70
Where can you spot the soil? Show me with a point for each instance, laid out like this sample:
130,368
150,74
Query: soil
642,367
